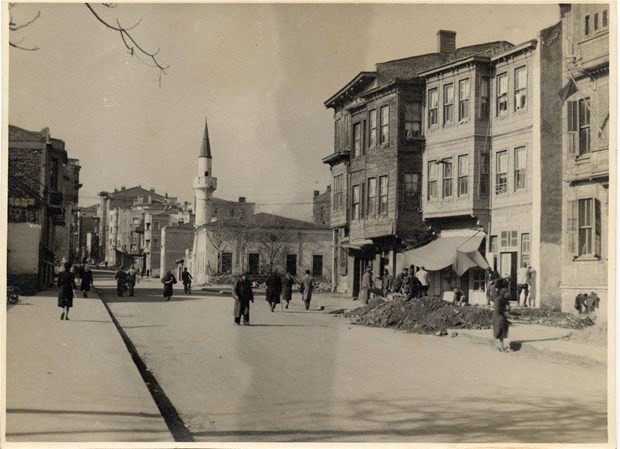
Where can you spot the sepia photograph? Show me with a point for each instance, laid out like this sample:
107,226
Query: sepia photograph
263,224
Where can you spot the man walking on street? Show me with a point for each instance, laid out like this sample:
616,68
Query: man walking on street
307,287
274,289
121,281
243,295
132,277
186,277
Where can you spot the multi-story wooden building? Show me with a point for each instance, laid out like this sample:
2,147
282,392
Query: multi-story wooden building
377,162
585,152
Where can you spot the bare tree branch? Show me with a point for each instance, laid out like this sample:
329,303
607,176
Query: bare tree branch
128,40
14,27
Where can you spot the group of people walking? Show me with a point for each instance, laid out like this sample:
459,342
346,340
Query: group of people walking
126,281
67,288
278,288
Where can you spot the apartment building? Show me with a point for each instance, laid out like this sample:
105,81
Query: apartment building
585,152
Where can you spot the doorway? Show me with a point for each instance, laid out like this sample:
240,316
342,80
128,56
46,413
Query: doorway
508,267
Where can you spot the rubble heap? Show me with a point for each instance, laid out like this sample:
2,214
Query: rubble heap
426,315
546,316
432,315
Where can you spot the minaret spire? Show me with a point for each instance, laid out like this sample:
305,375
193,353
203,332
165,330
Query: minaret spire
205,150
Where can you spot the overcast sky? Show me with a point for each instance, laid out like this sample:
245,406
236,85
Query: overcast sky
259,73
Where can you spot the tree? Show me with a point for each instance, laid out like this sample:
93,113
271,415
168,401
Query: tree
273,245
149,58
219,235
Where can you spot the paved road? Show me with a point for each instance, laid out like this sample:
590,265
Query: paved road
307,376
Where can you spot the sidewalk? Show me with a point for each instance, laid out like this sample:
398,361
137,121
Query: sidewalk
74,380
541,340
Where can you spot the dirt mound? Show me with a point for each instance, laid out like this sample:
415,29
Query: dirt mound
595,335
427,315
546,316
432,315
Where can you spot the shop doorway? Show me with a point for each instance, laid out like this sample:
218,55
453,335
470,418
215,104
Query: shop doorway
508,267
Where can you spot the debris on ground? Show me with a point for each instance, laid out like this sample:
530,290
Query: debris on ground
433,315
594,335
546,316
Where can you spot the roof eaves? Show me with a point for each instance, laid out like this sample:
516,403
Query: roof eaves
457,63
516,49
362,76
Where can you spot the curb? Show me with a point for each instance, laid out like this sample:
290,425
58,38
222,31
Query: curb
529,348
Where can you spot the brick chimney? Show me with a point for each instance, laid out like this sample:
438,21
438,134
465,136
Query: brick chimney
316,193
242,199
446,41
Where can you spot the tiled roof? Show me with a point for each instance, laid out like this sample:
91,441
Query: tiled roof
271,221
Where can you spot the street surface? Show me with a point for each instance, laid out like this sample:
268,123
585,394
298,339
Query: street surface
308,376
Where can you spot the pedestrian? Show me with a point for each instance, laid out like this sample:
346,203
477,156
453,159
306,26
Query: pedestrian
287,288
243,295
66,287
399,281
415,286
80,271
386,282
274,289
500,322
492,276
168,280
422,276
366,286
523,279
307,287
121,281
459,297
593,302
132,278
186,277
87,281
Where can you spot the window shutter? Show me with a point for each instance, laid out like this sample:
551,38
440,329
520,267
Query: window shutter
572,226
573,126
597,228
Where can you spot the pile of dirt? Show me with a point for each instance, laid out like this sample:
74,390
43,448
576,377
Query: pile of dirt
426,315
595,335
546,316
432,315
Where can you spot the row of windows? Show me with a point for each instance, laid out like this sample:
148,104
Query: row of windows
448,103
593,21
368,200
378,130
447,176
411,183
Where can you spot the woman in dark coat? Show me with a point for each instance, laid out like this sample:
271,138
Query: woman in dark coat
87,281
168,280
242,292
66,287
287,288
500,322
274,289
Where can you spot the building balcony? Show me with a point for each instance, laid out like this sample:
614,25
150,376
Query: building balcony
589,166
372,227
592,54
205,182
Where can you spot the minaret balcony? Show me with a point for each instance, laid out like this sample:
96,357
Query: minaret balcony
205,182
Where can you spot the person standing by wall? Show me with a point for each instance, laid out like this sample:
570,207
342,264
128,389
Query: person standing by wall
422,276
307,287
243,295
287,288
168,280
523,283
386,282
274,289
366,286
66,287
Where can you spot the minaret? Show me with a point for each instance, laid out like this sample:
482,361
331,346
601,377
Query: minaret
204,183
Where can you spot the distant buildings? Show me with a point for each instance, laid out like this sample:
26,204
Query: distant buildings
321,206
43,185
496,148
230,238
